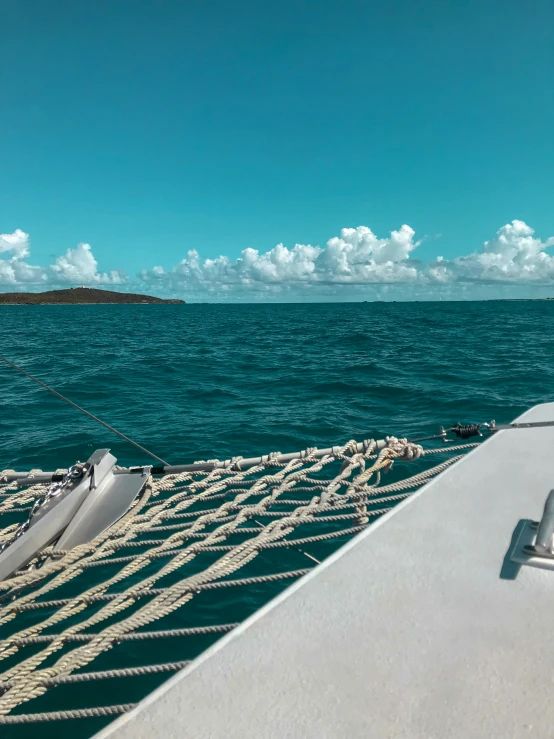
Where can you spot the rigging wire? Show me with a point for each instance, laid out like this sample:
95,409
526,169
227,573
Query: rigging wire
78,407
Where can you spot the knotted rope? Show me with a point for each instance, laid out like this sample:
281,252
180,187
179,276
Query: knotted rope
128,593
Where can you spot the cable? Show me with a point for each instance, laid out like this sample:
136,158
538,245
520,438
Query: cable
94,418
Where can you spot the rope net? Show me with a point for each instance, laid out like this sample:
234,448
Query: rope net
187,537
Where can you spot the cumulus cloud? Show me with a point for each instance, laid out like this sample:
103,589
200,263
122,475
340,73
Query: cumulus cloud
355,258
76,266
14,269
79,265
17,243
513,255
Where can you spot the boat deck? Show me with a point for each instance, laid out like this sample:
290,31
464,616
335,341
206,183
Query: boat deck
420,627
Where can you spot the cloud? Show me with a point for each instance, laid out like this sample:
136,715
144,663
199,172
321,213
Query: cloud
76,266
356,258
14,269
17,243
513,255
79,265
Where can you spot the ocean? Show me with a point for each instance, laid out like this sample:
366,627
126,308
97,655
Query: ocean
195,382
203,381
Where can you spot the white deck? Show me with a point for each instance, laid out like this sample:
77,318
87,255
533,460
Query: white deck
407,632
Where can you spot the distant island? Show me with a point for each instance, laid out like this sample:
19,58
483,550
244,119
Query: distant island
79,295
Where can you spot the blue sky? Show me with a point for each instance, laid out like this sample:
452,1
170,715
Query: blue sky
149,129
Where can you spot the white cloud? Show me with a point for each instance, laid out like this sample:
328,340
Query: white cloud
356,258
513,255
79,266
76,266
17,243
14,269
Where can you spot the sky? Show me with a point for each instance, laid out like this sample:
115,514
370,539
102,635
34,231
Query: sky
297,151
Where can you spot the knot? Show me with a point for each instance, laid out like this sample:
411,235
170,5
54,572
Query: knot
362,517
234,464
412,451
351,447
270,460
368,447
403,449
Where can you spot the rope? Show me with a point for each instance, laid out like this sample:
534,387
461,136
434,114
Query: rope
181,590
158,591
231,547
85,677
307,540
122,602
100,711
137,636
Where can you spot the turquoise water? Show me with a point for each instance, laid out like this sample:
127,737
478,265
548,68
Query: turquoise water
202,381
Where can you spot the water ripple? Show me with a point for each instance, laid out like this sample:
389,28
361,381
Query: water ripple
200,381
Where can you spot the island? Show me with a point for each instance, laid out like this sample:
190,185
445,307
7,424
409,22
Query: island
82,296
